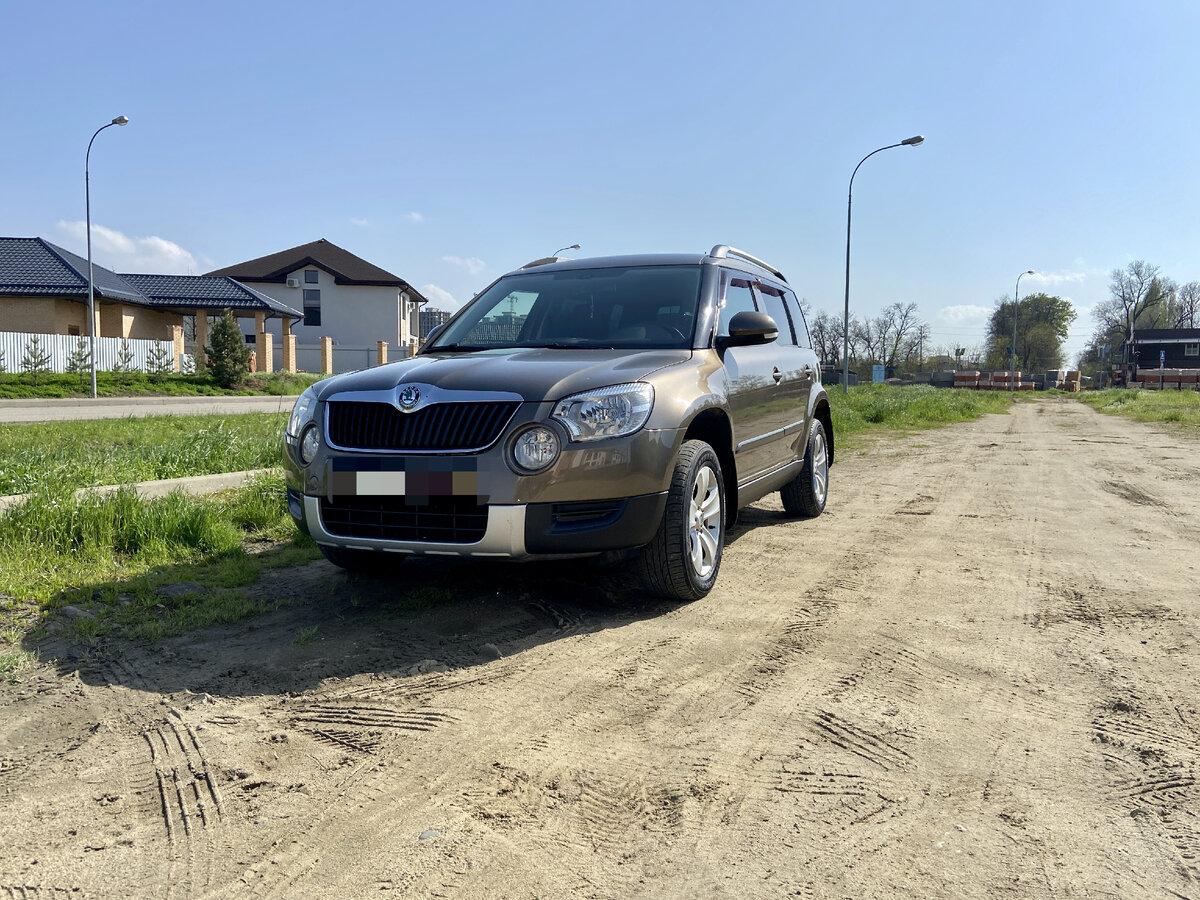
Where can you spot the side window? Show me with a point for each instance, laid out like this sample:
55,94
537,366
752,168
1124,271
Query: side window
774,307
803,338
738,298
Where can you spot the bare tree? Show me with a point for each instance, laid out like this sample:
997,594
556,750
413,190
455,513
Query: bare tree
827,337
1188,310
1134,290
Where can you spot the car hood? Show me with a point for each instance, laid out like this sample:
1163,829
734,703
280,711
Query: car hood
534,374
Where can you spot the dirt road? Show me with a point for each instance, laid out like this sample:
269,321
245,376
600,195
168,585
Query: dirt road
976,676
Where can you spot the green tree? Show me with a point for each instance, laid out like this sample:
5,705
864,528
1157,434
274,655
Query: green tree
79,361
1043,322
159,362
36,361
124,364
228,355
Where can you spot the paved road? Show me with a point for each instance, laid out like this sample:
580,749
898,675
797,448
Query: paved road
124,407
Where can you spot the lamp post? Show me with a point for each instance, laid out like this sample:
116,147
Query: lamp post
907,142
561,249
1016,293
87,199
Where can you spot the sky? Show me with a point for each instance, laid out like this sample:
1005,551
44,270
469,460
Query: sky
450,143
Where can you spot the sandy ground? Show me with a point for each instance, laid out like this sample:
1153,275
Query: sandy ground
976,676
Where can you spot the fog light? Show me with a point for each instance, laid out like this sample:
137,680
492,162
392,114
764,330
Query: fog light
535,449
310,443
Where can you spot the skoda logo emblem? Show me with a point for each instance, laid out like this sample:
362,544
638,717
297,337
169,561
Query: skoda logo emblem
410,396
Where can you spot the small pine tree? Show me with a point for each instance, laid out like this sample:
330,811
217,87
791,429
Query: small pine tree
3,367
124,364
79,362
228,355
158,362
36,361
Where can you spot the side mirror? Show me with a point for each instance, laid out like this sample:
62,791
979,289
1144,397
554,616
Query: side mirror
434,332
749,328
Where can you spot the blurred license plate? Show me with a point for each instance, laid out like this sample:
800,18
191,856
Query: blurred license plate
414,479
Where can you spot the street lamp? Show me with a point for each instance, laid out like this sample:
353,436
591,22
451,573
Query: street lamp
87,199
1016,292
907,142
561,249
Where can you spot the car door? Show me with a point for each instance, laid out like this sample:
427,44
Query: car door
797,363
758,406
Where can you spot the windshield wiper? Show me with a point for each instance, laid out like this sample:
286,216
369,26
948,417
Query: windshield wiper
563,345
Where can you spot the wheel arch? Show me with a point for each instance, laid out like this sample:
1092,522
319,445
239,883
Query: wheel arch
713,427
822,414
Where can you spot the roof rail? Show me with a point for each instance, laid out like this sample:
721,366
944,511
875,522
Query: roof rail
723,251
544,261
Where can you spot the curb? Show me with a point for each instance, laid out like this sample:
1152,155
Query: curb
196,486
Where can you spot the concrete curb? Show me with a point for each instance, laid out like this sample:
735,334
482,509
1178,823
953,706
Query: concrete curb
196,486
147,400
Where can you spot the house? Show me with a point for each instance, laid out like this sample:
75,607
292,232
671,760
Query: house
44,290
1176,348
342,295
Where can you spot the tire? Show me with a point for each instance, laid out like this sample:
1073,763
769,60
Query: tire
805,495
362,562
682,561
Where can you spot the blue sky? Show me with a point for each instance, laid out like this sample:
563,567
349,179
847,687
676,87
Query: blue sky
449,143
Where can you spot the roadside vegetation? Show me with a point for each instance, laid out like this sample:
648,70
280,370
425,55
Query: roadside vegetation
91,452
871,408
125,567
1175,407
23,386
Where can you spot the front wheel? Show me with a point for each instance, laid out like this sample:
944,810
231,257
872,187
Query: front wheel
805,495
682,561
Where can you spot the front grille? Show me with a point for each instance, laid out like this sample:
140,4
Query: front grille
355,425
441,520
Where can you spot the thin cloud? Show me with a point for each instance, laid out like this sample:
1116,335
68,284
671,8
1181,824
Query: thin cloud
1054,278
963,314
361,223
473,264
121,253
415,217
440,298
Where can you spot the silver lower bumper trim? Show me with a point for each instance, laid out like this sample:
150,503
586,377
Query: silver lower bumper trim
504,538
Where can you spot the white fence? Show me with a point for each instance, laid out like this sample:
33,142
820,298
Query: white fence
16,346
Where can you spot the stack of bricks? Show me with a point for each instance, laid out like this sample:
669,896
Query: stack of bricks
966,380
1170,379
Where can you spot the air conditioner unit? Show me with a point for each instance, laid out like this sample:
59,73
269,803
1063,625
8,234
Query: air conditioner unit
293,282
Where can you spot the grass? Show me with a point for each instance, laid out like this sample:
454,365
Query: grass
1174,407
20,386
110,558
86,453
876,407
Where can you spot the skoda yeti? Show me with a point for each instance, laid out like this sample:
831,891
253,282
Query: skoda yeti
623,407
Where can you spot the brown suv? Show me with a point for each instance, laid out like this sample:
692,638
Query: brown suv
622,406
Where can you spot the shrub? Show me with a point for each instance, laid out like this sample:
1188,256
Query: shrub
228,355
36,361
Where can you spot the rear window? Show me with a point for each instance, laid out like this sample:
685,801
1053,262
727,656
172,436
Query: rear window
611,307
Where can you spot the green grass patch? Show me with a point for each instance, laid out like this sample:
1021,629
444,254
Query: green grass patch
90,452
20,386
142,569
873,407
1173,407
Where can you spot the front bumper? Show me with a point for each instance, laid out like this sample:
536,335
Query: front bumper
513,531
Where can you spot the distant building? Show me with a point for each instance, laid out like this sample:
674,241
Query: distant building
342,296
431,319
1178,348
44,290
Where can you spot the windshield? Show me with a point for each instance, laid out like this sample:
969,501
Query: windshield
630,307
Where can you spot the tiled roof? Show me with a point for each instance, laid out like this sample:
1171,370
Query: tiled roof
213,291
344,266
33,267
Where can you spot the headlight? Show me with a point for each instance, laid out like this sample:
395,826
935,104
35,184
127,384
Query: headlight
310,443
535,449
302,413
606,412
